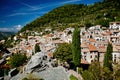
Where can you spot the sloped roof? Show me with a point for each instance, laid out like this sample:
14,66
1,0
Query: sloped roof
115,48
83,44
92,40
92,47
50,54
108,32
102,49
29,47
118,47
57,41
84,62
49,35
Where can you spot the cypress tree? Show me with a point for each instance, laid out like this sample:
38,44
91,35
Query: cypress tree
37,48
108,57
76,50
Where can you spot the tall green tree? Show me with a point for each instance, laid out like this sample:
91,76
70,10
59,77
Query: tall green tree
17,60
116,73
64,52
108,57
97,72
37,48
76,50
87,75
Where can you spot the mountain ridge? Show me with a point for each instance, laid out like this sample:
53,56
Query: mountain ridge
4,35
77,14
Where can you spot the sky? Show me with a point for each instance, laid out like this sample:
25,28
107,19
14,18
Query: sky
14,14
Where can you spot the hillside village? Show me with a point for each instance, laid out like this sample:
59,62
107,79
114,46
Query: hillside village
60,40
93,42
93,46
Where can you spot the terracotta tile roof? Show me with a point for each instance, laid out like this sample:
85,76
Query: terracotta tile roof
108,32
60,32
50,54
92,40
114,37
100,42
85,50
116,48
102,49
57,41
50,35
29,48
92,47
83,62
83,44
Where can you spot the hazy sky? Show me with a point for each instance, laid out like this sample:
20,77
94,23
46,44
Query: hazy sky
14,14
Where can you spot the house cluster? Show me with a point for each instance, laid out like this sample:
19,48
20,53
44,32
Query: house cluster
48,43
94,42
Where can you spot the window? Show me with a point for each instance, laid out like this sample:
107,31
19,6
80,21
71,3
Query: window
115,56
96,56
115,60
91,60
91,56
84,52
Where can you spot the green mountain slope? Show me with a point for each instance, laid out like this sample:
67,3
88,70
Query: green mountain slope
4,35
74,14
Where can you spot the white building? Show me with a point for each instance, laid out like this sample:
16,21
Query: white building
114,25
116,54
89,52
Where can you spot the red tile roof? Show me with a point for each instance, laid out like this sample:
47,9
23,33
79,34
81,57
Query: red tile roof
102,49
83,44
108,32
83,62
50,54
92,40
29,47
92,47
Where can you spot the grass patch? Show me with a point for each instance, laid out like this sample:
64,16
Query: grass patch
73,77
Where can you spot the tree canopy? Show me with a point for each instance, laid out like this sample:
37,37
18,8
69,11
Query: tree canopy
97,72
108,57
64,52
99,13
37,48
76,50
17,60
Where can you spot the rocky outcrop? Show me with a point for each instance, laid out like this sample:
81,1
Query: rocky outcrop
38,62
41,66
13,72
6,55
2,61
56,73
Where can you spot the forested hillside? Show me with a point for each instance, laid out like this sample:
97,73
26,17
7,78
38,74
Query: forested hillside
78,14
4,35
